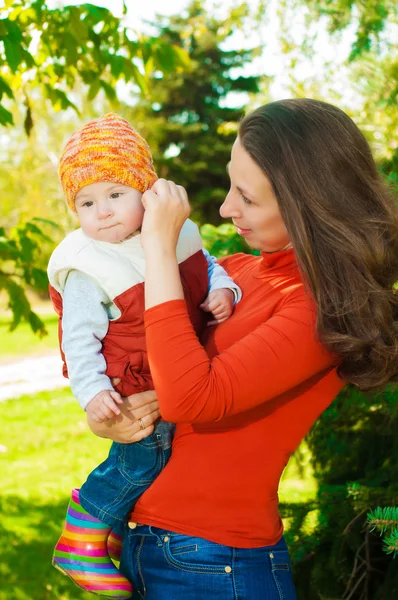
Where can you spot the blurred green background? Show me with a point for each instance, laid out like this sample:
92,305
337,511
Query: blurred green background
183,73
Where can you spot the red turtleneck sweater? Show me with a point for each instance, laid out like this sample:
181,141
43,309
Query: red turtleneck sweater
242,403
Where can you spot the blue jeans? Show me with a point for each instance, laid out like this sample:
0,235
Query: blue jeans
168,566
112,489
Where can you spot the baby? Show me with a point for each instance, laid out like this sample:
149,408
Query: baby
96,279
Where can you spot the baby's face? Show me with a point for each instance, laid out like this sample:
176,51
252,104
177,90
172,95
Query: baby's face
108,211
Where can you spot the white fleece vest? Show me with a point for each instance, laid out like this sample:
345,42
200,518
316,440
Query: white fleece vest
116,267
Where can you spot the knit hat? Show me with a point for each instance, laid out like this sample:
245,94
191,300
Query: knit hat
106,149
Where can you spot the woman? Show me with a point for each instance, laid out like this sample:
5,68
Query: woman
318,311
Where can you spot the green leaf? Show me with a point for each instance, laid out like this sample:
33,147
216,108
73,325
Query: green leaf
13,53
8,249
5,88
77,25
117,64
59,99
39,279
98,13
146,51
28,58
28,246
14,32
32,228
36,324
3,28
71,48
132,72
47,222
165,58
182,57
5,117
94,88
109,90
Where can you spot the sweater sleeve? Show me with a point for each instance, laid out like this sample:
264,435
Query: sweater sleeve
84,325
278,355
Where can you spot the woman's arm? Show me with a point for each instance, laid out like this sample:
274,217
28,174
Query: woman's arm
166,210
126,427
278,355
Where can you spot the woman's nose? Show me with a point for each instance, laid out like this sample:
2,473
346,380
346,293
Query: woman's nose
228,208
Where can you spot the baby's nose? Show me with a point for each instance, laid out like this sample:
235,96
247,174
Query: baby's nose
104,211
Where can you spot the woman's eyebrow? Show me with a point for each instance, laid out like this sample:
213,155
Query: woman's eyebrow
240,189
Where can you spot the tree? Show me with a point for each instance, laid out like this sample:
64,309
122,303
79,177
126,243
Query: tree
18,251
372,18
187,120
48,54
354,454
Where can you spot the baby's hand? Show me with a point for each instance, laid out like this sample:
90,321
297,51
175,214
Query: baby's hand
220,303
104,406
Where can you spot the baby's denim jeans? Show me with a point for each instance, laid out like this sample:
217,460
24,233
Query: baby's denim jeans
112,489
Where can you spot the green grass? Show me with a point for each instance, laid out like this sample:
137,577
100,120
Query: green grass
22,341
46,450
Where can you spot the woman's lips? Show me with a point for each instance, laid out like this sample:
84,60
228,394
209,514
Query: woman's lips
243,232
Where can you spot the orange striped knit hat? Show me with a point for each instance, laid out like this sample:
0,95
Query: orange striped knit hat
106,149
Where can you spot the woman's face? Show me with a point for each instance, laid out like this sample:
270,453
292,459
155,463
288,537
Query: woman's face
252,205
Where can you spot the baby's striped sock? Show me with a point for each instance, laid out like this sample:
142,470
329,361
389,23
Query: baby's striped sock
81,553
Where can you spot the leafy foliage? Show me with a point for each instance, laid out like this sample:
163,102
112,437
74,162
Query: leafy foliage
354,446
48,51
223,240
371,17
19,251
385,521
187,120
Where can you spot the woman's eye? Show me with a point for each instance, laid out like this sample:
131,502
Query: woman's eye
246,200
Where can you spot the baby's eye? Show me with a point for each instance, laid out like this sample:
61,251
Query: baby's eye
88,203
116,195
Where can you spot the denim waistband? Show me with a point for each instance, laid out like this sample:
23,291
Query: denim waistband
138,529
164,432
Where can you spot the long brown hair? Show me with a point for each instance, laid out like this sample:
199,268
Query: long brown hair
343,224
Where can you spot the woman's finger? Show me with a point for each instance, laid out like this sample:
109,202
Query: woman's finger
141,399
161,186
148,198
144,412
143,433
182,193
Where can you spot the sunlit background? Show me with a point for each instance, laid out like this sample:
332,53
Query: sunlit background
184,73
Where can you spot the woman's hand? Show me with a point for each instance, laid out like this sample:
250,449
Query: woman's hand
166,210
136,421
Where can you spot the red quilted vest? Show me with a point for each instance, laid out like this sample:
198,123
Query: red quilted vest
124,346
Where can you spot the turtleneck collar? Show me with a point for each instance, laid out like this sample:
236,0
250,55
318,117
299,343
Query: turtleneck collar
282,258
